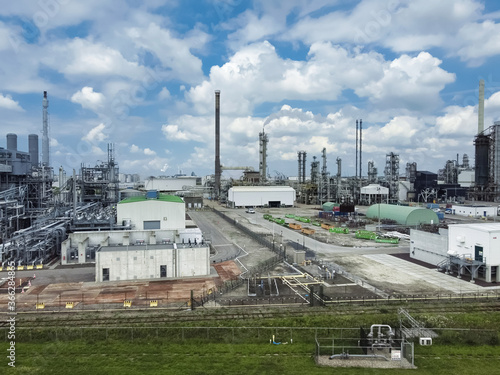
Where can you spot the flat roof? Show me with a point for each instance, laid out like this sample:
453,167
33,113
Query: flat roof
486,227
261,188
166,246
161,198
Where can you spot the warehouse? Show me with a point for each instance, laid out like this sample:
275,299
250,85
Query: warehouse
402,215
152,261
261,196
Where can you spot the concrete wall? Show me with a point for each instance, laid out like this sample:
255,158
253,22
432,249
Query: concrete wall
464,238
428,247
170,214
141,262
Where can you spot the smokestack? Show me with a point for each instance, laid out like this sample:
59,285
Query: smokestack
356,167
12,141
360,147
217,144
45,131
480,109
33,148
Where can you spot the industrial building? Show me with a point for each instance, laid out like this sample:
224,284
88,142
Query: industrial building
374,193
402,215
171,184
463,249
475,210
152,261
152,211
261,196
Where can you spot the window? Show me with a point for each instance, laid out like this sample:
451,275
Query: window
153,224
163,271
105,274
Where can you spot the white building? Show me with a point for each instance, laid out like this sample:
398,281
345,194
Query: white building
374,193
159,212
260,196
171,184
468,247
152,261
475,211
478,242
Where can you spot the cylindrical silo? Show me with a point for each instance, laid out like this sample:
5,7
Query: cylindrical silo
33,148
12,141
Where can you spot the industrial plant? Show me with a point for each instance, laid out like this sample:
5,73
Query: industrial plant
150,229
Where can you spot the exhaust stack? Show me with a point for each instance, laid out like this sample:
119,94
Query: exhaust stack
217,144
480,109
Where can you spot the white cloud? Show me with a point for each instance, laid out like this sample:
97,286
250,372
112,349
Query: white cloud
81,57
413,83
134,149
164,94
256,74
149,152
174,53
96,134
7,102
89,99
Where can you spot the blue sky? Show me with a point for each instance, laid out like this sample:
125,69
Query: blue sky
142,75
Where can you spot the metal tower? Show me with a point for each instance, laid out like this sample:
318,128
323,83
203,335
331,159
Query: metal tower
392,175
324,186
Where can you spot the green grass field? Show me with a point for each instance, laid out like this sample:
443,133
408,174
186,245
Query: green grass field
469,343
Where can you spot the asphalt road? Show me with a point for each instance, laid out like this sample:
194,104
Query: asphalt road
317,246
209,225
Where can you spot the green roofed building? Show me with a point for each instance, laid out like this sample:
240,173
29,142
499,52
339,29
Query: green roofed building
152,211
402,214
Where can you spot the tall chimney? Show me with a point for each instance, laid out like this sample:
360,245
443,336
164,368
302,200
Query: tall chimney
33,149
45,132
217,144
480,109
12,141
360,147
356,165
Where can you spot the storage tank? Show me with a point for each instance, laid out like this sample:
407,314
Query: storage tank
12,141
33,148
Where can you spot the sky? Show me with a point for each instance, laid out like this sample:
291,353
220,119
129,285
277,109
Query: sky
141,75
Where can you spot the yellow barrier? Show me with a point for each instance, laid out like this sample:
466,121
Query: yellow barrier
153,303
70,305
40,306
127,303
1,269
29,267
39,266
20,268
